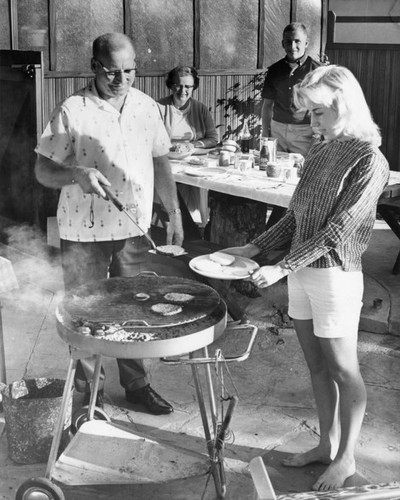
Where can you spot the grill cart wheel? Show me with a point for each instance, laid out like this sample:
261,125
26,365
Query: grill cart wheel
39,489
81,416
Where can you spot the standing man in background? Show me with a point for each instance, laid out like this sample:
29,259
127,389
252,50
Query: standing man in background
109,134
280,119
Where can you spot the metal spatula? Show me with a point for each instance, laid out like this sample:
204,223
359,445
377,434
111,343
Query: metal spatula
117,203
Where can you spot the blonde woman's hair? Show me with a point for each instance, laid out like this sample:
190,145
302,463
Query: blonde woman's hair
336,87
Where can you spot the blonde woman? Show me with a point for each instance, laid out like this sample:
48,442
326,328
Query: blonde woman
328,225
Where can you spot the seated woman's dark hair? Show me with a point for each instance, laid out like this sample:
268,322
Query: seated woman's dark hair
174,75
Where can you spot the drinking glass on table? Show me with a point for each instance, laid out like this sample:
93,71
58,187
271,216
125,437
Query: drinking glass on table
298,160
245,165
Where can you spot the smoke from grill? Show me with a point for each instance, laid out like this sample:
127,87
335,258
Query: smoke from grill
37,270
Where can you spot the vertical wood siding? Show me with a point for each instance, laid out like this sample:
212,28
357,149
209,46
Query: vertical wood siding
378,71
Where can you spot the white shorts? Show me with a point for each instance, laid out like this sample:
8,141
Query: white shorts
331,297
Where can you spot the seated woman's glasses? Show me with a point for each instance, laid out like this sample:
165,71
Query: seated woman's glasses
176,86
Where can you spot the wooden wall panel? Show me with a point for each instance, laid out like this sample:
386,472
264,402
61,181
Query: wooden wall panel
154,86
57,89
378,71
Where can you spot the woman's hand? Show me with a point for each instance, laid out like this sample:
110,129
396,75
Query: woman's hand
199,144
268,275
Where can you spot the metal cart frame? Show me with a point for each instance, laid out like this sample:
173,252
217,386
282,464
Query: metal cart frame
214,432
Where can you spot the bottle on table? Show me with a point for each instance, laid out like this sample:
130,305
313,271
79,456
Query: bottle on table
264,154
245,138
268,146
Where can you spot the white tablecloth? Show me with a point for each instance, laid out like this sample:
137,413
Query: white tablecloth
254,184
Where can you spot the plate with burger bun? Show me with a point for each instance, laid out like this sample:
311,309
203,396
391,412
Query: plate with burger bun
226,146
229,145
223,266
180,150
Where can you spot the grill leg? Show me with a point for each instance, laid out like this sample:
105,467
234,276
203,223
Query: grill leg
396,267
3,377
94,386
217,466
61,418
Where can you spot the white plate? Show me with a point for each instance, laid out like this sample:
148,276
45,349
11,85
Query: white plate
172,155
202,151
193,160
240,269
205,172
155,253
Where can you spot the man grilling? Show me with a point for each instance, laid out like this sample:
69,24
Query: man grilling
109,134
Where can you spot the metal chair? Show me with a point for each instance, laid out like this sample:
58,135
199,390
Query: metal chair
389,210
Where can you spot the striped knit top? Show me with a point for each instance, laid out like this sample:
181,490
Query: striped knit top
332,212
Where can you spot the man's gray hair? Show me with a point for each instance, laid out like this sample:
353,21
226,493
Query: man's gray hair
110,42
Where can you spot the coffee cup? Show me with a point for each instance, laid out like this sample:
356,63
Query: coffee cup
273,170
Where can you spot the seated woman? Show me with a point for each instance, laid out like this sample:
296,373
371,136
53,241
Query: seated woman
188,120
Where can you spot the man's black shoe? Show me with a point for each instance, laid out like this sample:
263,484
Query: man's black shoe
148,397
99,399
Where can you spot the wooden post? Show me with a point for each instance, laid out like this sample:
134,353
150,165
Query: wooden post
3,376
235,221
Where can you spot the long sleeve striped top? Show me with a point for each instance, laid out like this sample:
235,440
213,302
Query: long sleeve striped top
331,215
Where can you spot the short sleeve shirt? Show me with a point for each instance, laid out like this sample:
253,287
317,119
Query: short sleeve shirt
86,130
278,86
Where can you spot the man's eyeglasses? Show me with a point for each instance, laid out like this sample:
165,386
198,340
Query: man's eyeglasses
176,86
112,74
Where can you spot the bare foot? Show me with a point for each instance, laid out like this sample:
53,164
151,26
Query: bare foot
335,475
308,457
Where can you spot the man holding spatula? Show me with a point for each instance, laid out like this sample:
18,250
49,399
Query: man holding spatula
109,134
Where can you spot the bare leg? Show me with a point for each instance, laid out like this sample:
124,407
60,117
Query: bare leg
334,370
326,398
341,355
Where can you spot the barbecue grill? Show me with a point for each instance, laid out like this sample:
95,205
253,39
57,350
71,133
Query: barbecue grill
84,319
